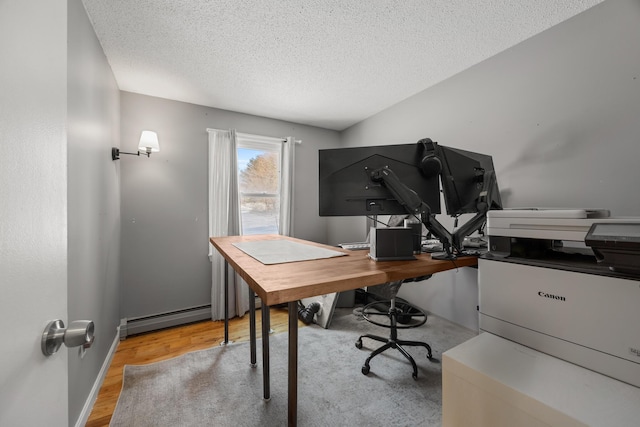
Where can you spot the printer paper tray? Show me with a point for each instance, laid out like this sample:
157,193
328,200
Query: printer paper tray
597,361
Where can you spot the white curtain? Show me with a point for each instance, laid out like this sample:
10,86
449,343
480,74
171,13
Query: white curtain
224,220
286,187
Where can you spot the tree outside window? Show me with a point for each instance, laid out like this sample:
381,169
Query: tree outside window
259,185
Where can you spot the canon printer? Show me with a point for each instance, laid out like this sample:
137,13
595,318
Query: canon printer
565,282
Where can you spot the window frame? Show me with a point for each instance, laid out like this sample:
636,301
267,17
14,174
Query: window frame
265,144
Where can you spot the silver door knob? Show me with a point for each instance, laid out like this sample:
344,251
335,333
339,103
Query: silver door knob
79,333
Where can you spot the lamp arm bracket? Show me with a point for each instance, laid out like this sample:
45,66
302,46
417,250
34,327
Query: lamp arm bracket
115,153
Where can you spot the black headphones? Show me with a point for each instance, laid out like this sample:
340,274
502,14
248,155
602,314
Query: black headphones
430,163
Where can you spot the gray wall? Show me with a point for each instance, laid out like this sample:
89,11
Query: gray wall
164,198
93,204
560,113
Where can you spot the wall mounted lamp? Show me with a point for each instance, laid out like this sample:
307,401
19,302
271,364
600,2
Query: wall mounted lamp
148,144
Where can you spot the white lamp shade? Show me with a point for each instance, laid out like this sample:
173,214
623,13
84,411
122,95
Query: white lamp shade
149,142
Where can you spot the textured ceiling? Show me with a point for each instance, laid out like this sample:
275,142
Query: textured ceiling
327,63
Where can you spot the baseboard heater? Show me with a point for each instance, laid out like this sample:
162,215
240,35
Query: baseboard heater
138,325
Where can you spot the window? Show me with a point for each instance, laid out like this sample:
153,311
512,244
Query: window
259,184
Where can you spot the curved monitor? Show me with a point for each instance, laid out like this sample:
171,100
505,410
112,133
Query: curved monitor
346,188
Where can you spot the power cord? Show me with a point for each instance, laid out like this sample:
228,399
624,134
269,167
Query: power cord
306,313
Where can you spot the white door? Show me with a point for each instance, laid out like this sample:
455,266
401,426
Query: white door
33,210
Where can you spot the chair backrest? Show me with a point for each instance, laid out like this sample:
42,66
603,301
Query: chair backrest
386,290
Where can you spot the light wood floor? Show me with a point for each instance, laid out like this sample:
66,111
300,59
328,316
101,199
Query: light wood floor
168,343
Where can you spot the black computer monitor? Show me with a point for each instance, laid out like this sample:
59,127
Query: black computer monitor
347,189
469,186
466,176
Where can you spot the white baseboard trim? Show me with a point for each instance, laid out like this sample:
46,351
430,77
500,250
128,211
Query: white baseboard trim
93,395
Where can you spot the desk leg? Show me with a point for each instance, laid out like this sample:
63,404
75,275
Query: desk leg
293,364
226,303
266,322
252,326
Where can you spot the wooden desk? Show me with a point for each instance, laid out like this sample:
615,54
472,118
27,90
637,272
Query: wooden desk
290,282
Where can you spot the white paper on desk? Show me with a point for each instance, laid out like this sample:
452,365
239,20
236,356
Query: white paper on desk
280,251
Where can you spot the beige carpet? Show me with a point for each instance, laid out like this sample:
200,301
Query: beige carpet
217,387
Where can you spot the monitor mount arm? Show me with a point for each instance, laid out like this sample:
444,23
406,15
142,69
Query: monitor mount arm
414,205
483,204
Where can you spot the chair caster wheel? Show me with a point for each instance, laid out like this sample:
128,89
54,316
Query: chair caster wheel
359,344
365,369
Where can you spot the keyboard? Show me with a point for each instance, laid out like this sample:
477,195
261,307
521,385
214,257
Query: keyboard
356,246
431,245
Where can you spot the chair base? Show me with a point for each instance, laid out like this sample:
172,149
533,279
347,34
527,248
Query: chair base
392,341
398,345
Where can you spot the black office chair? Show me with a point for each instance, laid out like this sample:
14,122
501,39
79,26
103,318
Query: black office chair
396,316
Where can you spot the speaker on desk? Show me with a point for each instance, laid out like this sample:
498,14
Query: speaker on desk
391,244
